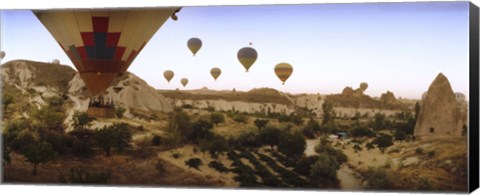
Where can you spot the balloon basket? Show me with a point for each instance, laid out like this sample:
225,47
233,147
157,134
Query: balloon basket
101,112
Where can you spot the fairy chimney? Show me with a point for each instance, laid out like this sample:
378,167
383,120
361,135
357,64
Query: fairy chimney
439,114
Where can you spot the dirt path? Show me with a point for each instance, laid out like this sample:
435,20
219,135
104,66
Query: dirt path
348,181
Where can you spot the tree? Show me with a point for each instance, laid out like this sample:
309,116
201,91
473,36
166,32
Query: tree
383,141
311,128
323,173
400,135
293,145
270,136
119,111
218,146
81,175
50,117
37,153
379,121
180,122
156,140
304,164
7,99
117,135
194,163
328,112
217,117
362,132
80,119
201,131
377,178
325,146
417,110
260,123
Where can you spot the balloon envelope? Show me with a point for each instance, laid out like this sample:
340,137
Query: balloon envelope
215,72
103,43
283,71
363,86
168,74
184,81
247,56
194,44
2,54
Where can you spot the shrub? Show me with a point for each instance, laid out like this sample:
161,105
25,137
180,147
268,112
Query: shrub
117,136
83,176
292,145
241,118
156,140
383,141
160,167
217,118
201,131
419,151
119,111
194,163
217,165
304,164
260,123
323,172
37,153
362,132
325,146
377,178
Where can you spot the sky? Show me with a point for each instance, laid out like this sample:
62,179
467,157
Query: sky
399,47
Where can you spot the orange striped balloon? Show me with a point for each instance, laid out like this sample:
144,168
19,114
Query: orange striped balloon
283,71
215,72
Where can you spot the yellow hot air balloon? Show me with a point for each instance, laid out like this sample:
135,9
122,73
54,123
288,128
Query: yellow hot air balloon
184,81
168,74
215,72
194,44
2,55
247,56
363,86
283,71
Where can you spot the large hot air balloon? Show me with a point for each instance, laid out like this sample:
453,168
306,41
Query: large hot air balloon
247,56
363,86
215,72
283,71
55,61
168,74
194,44
103,43
184,81
2,55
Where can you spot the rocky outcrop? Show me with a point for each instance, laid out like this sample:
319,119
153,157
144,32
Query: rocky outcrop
439,112
224,105
310,102
388,98
350,92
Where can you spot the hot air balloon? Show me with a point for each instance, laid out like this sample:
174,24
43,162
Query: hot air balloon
194,44
168,74
363,86
2,55
102,43
184,81
283,71
247,56
215,72
55,61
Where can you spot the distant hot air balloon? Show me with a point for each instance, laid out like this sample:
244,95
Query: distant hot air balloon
215,72
194,44
283,71
55,61
363,86
247,56
103,43
184,81
168,74
2,55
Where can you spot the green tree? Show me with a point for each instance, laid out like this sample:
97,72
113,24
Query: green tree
328,112
180,122
116,136
202,130
304,164
377,178
270,135
292,145
383,141
37,153
218,145
379,122
194,163
119,111
82,175
400,135
80,120
50,117
7,99
323,173
260,123
217,117
311,128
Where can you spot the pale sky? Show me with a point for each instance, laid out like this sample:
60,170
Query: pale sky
399,47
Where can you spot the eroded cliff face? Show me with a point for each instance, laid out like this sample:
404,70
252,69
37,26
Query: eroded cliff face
440,115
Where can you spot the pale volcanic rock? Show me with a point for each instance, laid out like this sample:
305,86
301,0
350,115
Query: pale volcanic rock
439,114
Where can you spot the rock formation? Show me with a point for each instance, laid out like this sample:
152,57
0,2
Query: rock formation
439,112
388,98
